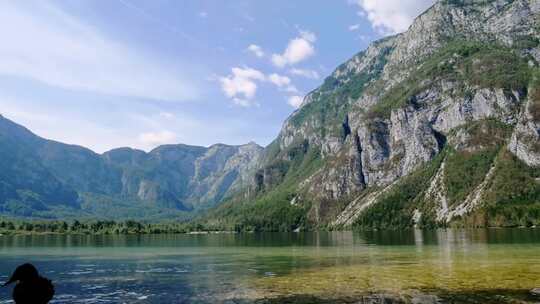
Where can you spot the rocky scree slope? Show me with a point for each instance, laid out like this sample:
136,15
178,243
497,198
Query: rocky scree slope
436,126
44,178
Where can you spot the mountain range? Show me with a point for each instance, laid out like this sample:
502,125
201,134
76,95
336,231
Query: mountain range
45,178
436,126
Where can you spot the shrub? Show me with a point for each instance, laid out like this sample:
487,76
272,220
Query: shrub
513,196
465,171
534,107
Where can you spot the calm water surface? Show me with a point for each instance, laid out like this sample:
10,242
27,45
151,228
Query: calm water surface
244,268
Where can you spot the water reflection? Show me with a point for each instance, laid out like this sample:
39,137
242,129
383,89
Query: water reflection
208,268
444,238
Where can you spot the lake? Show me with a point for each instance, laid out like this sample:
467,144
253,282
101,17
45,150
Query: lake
449,266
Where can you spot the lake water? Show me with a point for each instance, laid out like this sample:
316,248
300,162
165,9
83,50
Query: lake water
449,266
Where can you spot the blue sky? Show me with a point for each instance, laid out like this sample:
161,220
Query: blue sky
107,74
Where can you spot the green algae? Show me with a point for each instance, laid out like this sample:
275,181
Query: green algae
500,274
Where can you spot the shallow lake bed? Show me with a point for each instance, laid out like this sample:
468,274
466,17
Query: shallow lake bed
444,266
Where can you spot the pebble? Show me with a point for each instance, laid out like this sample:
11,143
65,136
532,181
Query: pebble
536,292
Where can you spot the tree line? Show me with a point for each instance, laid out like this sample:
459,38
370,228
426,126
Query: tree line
8,227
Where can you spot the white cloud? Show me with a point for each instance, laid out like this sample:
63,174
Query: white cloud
298,49
248,73
157,138
392,16
203,14
363,38
291,89
279,80
157,131
43,43
284,83
241,85
102,127
234,86
309,36
295,101
354,27
311,74
150,129
243,102
256,50
50,122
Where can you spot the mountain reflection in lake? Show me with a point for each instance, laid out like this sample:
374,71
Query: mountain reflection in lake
463,266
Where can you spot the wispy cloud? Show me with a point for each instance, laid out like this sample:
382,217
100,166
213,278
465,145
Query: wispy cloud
279,80
256,50
126,125
151,139
154,19
311,74
295,101
391,16
297,50
42,42
44,121
354,27
166,115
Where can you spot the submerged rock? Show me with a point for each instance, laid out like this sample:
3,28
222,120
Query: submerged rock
380,299
425,299
536,292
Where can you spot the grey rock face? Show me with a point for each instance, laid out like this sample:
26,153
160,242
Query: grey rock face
343,176
525,142
187,176
223,170
362,152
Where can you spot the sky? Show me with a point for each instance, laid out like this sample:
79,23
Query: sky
140,73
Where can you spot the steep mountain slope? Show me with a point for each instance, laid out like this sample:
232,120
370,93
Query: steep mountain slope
428,127
37,174
26,185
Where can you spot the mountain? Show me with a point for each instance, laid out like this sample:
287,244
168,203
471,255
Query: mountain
44,178
436,126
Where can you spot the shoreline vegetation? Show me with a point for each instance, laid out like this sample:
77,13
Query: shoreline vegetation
131,227
128,227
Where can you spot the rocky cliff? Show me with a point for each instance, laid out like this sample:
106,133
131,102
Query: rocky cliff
421,128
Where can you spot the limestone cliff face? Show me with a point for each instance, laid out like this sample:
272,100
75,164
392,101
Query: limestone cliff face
223,171
525,142
185,177
401,103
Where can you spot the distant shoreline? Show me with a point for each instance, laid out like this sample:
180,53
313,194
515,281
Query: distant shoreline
25,233
42,228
